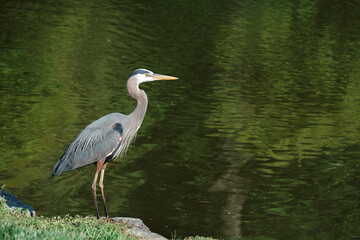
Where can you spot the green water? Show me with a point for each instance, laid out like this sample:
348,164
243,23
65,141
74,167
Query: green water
259,137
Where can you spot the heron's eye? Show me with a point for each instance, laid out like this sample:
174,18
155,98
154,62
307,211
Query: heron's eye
146,74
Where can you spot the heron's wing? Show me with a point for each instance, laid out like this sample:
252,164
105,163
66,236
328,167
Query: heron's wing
95,142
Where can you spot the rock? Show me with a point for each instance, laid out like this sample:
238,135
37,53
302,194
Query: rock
138,228
16,205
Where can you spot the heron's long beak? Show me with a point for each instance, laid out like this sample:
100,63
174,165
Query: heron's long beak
163,77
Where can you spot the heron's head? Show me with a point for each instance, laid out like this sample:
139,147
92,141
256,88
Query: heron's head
144,75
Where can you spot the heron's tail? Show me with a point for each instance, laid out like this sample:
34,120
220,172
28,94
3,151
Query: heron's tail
58,168
55,171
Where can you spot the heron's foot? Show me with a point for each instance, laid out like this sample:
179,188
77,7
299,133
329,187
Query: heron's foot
105,219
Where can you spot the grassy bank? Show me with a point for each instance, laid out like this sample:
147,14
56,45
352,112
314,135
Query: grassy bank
19,226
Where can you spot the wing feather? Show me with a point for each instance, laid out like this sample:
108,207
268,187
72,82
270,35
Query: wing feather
94,143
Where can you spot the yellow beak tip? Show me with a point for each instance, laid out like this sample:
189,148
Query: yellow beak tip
165,77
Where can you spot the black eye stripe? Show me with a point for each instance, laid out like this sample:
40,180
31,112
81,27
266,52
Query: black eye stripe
139,71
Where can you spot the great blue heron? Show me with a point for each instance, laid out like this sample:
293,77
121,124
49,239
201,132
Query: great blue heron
109,136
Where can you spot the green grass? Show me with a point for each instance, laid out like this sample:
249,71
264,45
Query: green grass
19,226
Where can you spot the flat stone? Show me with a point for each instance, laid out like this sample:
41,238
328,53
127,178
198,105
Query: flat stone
16,205
138,228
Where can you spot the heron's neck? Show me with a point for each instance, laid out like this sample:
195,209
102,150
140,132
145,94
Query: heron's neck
142,101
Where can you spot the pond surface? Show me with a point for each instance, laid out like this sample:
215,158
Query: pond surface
259,137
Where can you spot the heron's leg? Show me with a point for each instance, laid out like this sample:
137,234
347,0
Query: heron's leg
101,186
98,168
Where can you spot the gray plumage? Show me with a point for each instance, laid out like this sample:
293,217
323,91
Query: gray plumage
93,143
109,136
114,131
